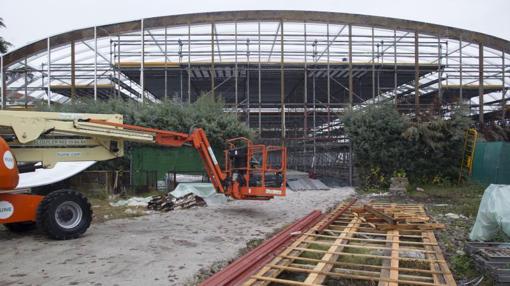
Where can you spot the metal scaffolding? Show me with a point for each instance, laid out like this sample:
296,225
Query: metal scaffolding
288,74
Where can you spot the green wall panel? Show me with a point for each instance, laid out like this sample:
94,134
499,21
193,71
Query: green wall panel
149,164
491,164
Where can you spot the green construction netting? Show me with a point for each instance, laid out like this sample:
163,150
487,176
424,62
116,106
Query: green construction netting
491,164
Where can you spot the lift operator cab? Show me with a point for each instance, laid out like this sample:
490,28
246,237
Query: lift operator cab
31,140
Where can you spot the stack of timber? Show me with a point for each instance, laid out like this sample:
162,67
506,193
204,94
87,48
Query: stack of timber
168,202
358,244
492,258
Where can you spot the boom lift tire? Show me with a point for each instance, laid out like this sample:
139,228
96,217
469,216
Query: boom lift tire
20,227
64,214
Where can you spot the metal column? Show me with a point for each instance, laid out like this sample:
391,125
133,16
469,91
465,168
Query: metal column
48,43
142,63
351,86
236,70
282,85
118,66
248,81
503,79
73,71
328,80
305,86
460,73
166,64
26,82
373,65
395,78
259,85
95,63
2,82
181,93
213,69
416,76
189,63
480,84
439,76
314,55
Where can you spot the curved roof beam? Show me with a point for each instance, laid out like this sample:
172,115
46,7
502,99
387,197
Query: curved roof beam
261,15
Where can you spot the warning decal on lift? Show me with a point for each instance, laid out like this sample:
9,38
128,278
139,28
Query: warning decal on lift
6,209
8,160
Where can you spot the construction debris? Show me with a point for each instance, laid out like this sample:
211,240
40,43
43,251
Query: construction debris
169,202
348,245
204,190
306,184
301,181
492,258
399,185
132,202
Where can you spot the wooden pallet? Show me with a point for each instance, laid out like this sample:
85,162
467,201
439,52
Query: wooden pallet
358,246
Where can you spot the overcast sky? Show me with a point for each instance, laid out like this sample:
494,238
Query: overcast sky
31,20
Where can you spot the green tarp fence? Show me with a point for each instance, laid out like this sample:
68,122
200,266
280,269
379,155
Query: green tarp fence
150,164
491,164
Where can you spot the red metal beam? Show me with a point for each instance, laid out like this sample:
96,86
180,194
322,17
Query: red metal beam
241,269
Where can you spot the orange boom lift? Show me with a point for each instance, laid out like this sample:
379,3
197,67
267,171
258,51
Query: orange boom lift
31,140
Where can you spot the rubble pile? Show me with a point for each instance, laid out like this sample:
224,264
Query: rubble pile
168,202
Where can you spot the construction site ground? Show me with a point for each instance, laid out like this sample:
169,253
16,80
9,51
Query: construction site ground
155,249
454,206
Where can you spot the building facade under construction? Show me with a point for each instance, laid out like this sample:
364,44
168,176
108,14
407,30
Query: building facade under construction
290,75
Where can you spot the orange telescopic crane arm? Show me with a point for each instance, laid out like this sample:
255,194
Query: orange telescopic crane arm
47,138
197,139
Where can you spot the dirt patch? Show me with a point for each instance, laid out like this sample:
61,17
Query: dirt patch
156,249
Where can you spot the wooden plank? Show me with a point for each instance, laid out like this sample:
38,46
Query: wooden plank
381,234
370,256
346,275
277,260
408,231
384,240
269,272
380,214
385,273
282,281
447,275
409,226
318,277
433,265
348,231
394,257
337,263
372,247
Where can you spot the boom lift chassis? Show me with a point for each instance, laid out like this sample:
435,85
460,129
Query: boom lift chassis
30,140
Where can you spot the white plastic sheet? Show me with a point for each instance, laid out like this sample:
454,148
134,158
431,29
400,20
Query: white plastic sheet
132,202
204,190
61,171
493,214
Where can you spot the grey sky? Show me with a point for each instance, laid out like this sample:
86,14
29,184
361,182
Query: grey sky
30,20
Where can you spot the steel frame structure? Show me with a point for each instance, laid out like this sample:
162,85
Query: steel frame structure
287,74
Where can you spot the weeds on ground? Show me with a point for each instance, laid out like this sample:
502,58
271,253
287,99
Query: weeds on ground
103,211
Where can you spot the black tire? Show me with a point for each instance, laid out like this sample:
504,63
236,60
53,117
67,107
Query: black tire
64,214
20,227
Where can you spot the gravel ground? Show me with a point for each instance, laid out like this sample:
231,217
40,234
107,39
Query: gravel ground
158,249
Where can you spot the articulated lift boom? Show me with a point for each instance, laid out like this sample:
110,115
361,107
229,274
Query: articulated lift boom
255,172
